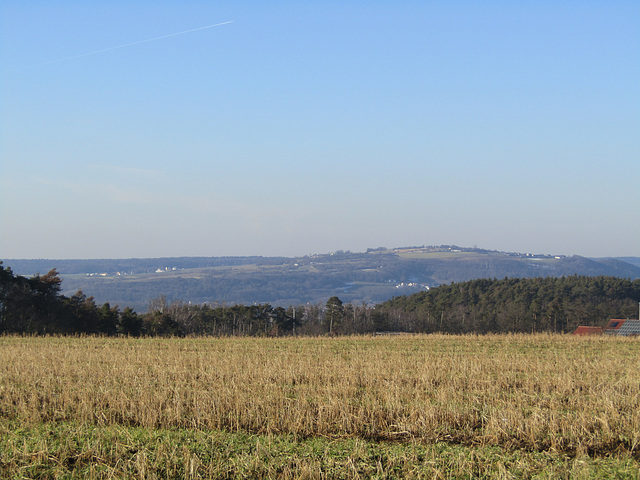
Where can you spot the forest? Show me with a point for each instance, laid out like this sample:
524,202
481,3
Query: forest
35,305
541,304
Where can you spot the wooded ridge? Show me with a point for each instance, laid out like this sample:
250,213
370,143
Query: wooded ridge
515,305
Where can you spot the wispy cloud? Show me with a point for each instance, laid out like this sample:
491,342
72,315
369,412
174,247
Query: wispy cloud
255,217
164,197
124,45
131,171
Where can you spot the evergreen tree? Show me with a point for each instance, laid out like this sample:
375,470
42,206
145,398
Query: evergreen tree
334,313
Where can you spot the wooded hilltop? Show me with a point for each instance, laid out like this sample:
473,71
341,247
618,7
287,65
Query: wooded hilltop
542,304
35,306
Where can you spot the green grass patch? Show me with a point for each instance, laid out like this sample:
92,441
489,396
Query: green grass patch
71,450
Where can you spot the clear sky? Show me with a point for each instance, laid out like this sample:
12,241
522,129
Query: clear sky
309,127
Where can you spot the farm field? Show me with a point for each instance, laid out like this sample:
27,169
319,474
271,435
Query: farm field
503,406
440,255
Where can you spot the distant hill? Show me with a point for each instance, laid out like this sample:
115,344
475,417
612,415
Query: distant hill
632,260
370,277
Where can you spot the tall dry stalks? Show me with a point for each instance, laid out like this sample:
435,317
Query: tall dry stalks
542,392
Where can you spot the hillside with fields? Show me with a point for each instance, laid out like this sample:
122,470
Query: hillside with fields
370,277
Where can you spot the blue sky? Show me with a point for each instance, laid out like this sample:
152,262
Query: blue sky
312,127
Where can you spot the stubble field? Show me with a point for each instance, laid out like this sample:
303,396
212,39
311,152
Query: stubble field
507,406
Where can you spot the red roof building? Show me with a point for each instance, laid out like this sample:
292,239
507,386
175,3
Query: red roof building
583,331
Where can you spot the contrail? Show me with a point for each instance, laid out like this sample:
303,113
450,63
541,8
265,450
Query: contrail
95,52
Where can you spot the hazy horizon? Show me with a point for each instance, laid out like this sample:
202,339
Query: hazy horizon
207,129
314,253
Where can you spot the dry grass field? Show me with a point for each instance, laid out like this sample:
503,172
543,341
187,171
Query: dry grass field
508,406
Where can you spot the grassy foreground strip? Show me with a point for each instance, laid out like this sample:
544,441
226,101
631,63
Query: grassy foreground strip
68,450
401,406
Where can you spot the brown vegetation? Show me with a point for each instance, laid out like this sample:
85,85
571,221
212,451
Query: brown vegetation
532,392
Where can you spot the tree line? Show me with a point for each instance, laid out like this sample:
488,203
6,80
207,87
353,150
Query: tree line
36,306
541,304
